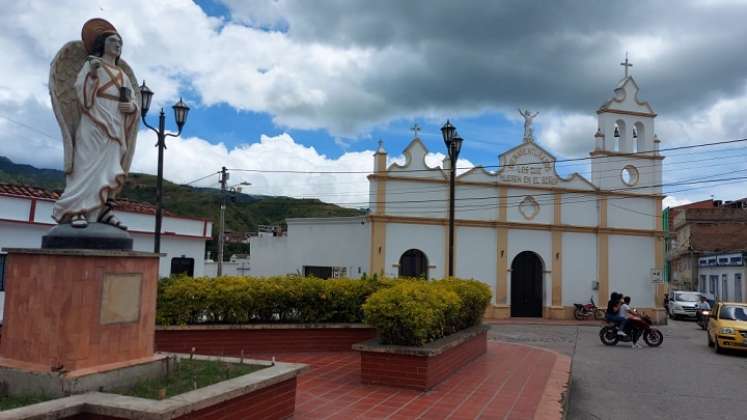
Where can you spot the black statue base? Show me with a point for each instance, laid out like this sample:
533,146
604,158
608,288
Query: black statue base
93,236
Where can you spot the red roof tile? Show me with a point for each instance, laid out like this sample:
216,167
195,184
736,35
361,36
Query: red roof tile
27,191
122,204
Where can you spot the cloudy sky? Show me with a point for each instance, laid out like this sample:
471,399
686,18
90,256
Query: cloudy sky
312,85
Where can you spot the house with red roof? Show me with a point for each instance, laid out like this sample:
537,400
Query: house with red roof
26,216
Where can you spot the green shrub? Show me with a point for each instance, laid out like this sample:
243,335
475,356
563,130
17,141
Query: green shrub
415,312
404,311
411,312
475,297
236,300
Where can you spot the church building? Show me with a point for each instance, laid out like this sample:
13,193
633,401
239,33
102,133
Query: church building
542,242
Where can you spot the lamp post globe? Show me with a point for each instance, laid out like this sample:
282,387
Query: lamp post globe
447,131
180,113
146,95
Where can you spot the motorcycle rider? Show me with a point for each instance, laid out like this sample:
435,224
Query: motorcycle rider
701,306
613,311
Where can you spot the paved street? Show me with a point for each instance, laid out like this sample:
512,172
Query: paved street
683,378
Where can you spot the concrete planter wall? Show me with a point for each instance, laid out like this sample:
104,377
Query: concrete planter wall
268,393
420,367
261,338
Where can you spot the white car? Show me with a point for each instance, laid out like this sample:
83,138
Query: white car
683,304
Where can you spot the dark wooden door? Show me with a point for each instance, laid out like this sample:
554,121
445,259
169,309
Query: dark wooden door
526,285
413,263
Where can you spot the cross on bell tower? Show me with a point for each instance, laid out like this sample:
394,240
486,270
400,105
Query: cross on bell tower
626,64
415,130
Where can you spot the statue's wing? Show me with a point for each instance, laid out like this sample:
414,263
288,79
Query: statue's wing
132,136
62,74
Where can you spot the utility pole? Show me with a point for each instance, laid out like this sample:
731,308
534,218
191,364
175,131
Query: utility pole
221,232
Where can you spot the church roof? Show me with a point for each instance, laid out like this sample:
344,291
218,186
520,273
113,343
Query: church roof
626,100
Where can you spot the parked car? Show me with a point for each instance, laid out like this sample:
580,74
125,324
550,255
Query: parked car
727,327
683,304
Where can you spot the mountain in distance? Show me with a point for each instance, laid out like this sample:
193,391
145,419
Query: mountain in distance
243,211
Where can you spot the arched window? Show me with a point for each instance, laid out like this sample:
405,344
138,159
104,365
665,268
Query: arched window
620,135
639,137
413,263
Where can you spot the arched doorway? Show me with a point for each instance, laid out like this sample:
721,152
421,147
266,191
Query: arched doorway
526,285
413,263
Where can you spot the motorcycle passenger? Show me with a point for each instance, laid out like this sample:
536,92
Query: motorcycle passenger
703,304
629,314
613,311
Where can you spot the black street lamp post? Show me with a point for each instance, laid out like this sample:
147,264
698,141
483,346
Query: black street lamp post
180,115
454,145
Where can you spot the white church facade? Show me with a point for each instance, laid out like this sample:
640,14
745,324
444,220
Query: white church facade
542,242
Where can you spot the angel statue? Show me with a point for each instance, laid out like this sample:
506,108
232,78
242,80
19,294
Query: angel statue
528,118
97,108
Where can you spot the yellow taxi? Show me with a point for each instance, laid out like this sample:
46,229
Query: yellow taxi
727,327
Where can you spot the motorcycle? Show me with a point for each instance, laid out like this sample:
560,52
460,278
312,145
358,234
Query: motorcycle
702,317
639,327
586,311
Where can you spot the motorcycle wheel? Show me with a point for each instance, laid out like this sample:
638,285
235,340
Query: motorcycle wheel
608,336
653,337
579,314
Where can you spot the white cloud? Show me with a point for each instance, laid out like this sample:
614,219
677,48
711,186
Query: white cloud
376,66
187,159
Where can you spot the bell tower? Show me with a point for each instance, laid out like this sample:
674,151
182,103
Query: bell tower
626,150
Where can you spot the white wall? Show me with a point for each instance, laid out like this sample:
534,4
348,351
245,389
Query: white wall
332,242
579,209
14,208
579,268
430,239
475,255
631,259
416,199
720,271
632,213
475,202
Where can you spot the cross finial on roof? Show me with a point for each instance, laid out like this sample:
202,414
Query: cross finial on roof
626,64
415,130
381,147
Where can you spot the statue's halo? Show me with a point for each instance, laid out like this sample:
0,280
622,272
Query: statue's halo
92,29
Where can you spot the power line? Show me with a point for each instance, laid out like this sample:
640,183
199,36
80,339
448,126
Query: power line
443,188
29,127
643,154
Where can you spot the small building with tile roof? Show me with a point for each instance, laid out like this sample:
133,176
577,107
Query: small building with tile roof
26,216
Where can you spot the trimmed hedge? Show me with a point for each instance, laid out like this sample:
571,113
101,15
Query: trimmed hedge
413,313
404,311
243,300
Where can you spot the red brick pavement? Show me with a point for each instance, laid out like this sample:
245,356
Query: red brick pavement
510,381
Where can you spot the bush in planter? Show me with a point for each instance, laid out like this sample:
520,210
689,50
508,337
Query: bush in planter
415,312
411,313
475,297
236,300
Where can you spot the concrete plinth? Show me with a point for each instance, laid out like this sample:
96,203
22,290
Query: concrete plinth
71,311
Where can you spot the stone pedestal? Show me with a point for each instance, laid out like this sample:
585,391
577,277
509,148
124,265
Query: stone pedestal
78,311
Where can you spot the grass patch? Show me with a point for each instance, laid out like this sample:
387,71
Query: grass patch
187,376
9,403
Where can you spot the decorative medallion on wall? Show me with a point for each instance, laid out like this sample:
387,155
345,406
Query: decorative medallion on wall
529,207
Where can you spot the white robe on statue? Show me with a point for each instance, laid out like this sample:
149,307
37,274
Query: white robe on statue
100,144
